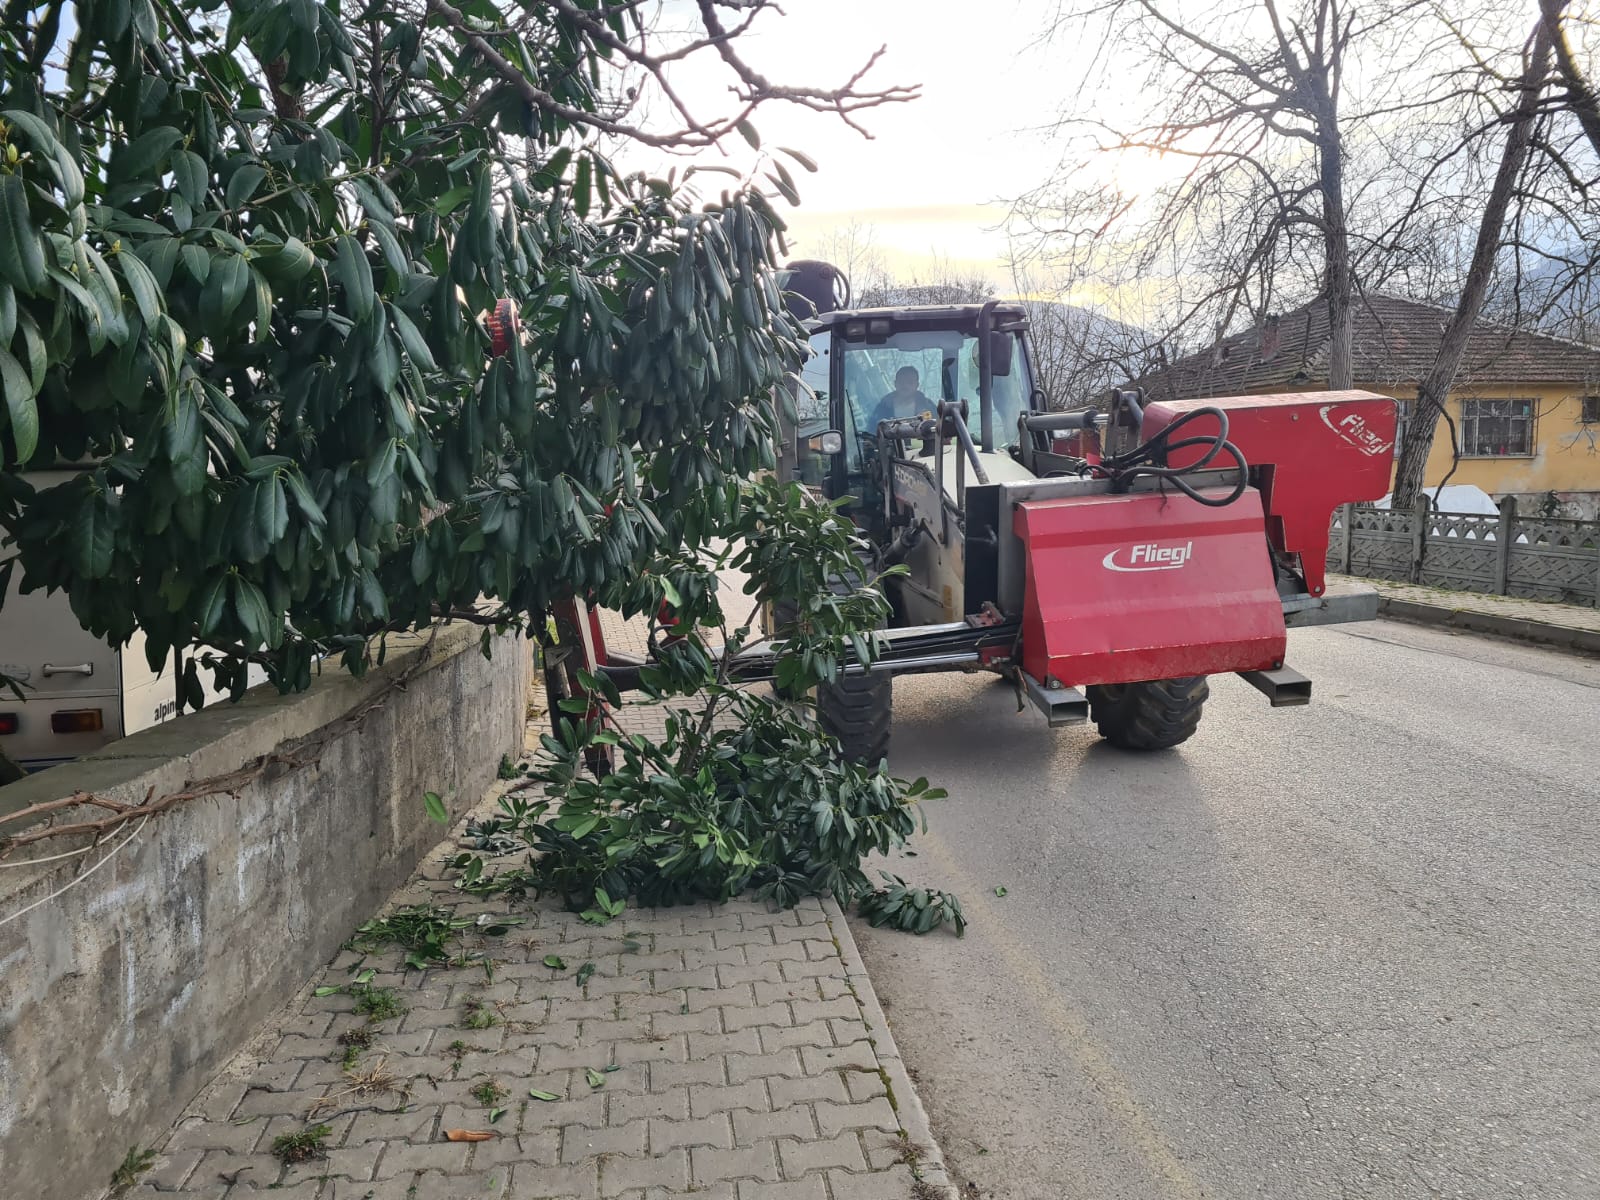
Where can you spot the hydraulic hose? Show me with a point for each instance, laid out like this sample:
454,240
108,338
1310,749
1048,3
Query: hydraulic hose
1150,459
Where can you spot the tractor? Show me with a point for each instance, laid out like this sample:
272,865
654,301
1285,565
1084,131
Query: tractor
1106,560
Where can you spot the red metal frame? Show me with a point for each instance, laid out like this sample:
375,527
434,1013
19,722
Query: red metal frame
1311,451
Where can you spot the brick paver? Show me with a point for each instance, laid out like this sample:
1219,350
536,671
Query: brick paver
738,1050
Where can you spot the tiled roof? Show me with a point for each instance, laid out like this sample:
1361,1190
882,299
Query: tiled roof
1395,342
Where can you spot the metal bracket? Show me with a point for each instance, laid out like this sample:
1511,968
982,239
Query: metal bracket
1283,688
1342,602
1060,706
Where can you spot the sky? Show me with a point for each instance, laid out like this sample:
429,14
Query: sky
932,187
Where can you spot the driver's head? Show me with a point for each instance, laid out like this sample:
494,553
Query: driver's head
906,381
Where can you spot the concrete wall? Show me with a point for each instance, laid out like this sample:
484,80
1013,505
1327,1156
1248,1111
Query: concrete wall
122,997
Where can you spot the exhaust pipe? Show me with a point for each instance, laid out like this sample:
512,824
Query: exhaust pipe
1283,688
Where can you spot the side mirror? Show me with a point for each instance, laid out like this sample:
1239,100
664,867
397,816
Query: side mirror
829,441
1000,348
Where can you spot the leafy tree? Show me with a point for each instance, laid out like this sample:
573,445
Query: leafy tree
246,251
742,792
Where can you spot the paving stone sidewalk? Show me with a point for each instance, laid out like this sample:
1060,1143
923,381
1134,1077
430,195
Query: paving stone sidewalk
1569,625
730,1052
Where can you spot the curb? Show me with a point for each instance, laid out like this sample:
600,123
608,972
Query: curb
1542,633
903,1096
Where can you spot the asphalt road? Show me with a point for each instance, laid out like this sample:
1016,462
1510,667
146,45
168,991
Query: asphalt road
1348,950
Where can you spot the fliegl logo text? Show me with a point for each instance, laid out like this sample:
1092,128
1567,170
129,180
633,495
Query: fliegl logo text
1352,427
1148,556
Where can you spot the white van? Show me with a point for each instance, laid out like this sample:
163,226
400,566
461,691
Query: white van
79,693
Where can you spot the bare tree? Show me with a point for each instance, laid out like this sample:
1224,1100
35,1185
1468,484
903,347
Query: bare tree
1080,351
1252,96
1579,92
854,249
1520,122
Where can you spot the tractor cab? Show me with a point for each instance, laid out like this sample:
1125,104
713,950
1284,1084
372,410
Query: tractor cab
877,377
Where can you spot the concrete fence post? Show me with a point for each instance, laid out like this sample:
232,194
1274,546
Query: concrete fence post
1419,536
1347,537
1502,548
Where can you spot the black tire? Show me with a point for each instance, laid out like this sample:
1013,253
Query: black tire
560,683
857,710
779,619
1155,715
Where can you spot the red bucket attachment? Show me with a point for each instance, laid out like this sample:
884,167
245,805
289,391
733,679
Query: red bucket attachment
1146,586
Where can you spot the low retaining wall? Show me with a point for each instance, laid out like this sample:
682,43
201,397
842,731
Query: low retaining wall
122,997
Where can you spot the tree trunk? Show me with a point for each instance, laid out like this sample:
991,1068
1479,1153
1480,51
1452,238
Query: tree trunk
1580,96
1341,369
1434,389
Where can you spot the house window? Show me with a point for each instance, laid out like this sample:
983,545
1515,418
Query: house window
1590,412
1497,428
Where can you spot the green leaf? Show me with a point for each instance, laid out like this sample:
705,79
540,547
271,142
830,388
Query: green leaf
327,990
748,132
304,501
213,605
355,275
193,177
93,540
250,606
582,977
143,157
394,256
805,160
21,251
197,261
495,1114
142,284
381,465
411,338
21,408
1000,891
186,446
65,166
547,1097
580,186
594,1078
554,962
285,263
230,276
242,184
434,803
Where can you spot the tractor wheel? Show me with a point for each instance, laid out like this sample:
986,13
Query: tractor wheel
779,619
1156,715
560,683
856,710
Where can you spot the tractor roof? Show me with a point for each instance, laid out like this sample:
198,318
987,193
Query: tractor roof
948,316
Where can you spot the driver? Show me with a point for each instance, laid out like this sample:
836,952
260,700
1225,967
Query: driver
906,400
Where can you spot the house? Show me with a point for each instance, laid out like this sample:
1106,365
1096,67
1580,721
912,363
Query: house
1526,406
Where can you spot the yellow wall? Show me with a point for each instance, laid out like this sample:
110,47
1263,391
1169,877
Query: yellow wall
1566,452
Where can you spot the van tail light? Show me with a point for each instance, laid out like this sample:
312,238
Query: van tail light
9,723
76,720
